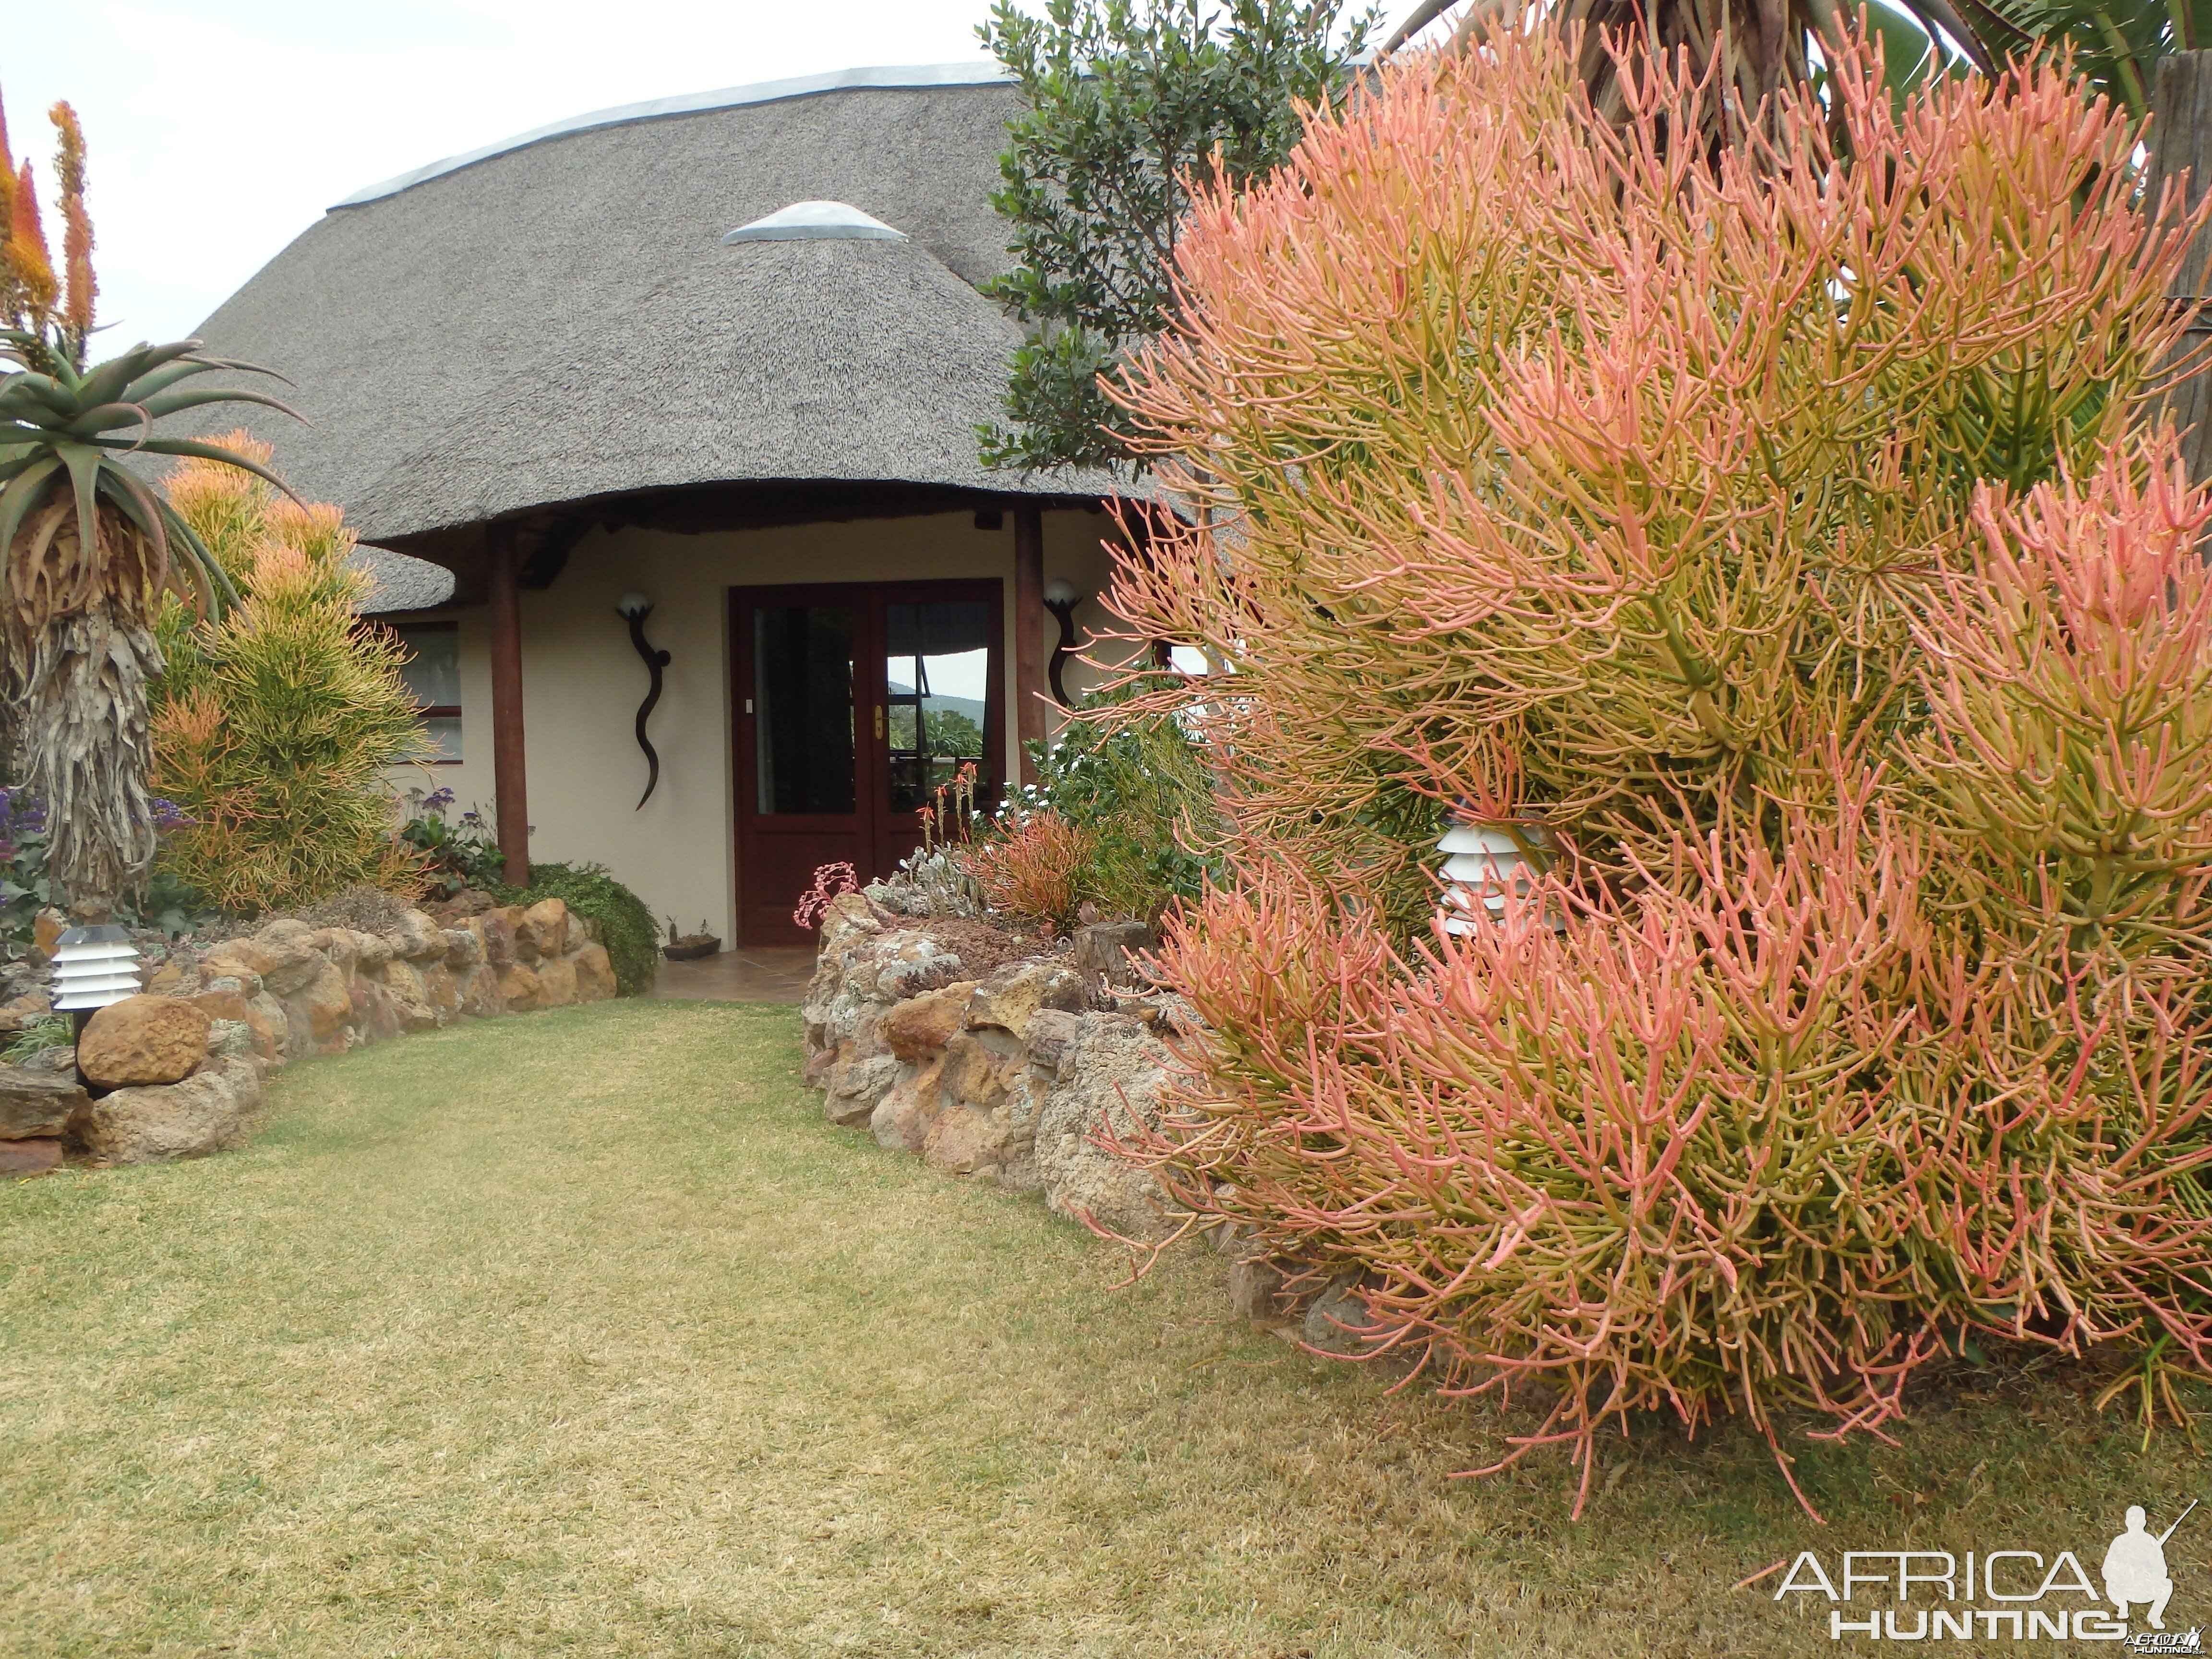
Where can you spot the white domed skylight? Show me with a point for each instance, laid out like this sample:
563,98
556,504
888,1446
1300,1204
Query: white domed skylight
816,222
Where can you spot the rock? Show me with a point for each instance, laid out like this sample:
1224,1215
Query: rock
543,928
1025,1098
1110,1074
519,989
266,1019
442,991
962,1141
229,1038
286,955
494,937
977,1067
141,1040
1009,998
204,1113
409,995
325,1003
921,965
340,946
221,1004
848,915
46,930
372,951
917,1030
417,938
375,1018
464,948
556,980
1103,950
1338,1306
20,1159
237,958
59,1061
509,916
901,1120
1255,1291
854,1086
1047,1037
234,976
33,1103
469,901
23,1010
595,972
480,993
168,980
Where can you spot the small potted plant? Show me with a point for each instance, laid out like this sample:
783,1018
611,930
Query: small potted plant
689,947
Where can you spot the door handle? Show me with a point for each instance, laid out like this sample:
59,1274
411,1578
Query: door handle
879,722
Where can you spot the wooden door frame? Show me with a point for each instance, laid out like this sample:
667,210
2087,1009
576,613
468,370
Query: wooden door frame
876,829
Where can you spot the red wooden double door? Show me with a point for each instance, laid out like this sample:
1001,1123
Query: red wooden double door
853,702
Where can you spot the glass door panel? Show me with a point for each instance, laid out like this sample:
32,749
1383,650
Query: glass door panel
937,695
802,692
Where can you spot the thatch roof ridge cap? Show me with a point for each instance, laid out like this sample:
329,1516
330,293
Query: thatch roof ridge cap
880,77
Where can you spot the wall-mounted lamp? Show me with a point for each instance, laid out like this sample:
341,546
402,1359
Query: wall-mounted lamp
634,608
1061,599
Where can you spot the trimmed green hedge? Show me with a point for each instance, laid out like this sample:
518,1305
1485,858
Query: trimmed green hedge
626,927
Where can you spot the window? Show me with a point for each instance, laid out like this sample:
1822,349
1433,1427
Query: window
433,672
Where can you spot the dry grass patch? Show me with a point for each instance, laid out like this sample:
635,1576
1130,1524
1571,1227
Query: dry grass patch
581,1334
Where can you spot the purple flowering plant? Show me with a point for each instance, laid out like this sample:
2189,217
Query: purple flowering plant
457,854
26,888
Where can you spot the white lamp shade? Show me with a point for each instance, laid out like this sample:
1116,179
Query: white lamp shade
1481,865
92,968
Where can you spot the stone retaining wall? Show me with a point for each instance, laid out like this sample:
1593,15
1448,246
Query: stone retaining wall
1006,1076
176,1071
1012,1076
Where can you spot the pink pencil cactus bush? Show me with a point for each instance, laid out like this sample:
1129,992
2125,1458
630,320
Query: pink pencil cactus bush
1791,537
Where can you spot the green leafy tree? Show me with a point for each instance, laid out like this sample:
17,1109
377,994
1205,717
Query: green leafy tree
1130,102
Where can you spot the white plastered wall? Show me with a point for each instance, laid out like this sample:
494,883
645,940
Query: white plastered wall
582,682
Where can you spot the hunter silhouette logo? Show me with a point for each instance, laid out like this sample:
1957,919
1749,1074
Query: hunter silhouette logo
2135,1567
2016,1594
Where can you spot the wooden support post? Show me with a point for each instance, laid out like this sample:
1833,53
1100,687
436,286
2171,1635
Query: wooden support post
2181,142
510,775
1029,631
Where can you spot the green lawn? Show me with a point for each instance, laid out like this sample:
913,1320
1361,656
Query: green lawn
581,1333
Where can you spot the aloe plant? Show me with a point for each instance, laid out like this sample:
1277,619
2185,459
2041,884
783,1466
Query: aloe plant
90,549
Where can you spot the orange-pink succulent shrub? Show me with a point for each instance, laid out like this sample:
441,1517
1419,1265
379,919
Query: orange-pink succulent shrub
1789,536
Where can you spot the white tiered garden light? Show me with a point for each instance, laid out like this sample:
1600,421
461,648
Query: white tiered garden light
92,968
1481,865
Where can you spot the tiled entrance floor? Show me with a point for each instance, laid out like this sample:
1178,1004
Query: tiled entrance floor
770,974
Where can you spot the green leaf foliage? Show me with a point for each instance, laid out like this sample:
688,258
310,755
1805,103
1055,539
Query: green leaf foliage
1140,795
1127,102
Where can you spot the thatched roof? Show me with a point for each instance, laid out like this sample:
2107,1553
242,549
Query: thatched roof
396,582
558,320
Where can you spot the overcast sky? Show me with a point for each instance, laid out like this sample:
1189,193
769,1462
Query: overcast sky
219,130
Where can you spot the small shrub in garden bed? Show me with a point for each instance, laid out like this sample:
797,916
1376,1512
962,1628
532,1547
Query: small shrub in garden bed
455,853
1137,790
1028,869
1788,536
